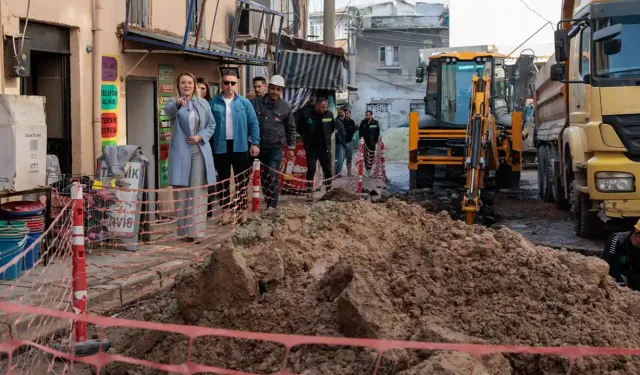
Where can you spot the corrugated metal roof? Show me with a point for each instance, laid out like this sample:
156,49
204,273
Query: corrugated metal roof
312,70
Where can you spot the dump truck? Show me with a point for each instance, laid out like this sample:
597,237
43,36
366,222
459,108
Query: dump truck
439,137
587,105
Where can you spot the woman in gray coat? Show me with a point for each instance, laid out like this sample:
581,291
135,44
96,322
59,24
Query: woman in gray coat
190,156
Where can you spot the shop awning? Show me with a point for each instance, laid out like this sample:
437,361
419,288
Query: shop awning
312,70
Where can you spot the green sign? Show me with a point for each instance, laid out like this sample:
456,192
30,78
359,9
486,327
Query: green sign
166,90
108,143
109,95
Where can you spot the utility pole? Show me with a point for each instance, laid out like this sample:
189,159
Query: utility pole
329,23
349,25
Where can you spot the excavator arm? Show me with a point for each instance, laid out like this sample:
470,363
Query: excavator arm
480,121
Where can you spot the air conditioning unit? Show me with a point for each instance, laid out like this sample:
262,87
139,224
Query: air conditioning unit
250,23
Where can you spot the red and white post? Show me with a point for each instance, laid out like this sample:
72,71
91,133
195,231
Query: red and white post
361,167
255,200
383,161
79,270
82,346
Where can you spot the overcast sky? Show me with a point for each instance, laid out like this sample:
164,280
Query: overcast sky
478,22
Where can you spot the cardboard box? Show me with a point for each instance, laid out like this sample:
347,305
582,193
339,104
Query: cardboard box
23,142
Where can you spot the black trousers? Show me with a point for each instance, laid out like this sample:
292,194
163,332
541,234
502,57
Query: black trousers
324,157
241,162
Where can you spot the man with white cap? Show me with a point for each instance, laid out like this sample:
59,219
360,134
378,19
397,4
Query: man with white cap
622,252
277,129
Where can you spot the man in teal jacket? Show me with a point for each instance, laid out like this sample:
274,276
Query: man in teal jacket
236,137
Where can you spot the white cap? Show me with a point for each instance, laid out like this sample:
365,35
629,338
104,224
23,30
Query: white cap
277,81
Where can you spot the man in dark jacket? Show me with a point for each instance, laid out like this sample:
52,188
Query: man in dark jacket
316,127
622,252
370,132
277,129
350,130
341,143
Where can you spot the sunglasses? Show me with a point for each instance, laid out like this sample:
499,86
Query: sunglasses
229,83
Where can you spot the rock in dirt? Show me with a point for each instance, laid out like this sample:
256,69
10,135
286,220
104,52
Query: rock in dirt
224,281
269,266
362,312
335,281
448,363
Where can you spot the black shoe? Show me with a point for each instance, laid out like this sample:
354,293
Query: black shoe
189,239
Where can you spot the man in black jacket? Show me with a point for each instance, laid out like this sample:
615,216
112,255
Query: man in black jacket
316,127
351,129
277,129
341,143
622,252
370,132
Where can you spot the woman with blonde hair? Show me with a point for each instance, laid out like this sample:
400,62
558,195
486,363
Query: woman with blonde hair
190,157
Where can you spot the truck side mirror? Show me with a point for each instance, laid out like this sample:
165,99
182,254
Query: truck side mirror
612,47
558,72
561,37
420,74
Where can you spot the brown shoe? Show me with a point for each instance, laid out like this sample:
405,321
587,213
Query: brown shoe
225,218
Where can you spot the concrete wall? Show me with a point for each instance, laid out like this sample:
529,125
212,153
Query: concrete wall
396,86
77,16
399,22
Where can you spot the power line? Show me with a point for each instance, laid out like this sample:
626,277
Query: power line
389,83
534,11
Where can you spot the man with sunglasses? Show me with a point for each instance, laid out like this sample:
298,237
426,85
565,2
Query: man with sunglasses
236,137
622,252
277,129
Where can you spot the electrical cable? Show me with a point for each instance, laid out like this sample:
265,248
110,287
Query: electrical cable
533,10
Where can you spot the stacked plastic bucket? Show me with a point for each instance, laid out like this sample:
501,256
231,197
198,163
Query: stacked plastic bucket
13,238
30,214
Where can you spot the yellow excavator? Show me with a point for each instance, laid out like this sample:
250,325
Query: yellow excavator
469,124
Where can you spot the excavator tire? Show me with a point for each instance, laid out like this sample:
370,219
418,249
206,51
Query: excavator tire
506,178
425,176
587,223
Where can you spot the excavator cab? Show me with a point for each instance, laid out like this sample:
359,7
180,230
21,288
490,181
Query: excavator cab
438,137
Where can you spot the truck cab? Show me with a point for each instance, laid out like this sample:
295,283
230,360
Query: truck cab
437,137
588,123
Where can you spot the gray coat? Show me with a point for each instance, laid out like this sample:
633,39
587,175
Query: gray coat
180,150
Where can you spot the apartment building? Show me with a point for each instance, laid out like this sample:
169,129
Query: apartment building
106,66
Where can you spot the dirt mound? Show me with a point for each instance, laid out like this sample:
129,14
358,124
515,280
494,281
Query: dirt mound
339,195
394,271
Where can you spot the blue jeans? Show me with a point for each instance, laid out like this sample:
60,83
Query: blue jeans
270,157
339,158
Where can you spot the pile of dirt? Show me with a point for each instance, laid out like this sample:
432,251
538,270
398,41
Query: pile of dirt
449,200
393,271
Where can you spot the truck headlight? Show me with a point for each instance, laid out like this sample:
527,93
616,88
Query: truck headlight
614,182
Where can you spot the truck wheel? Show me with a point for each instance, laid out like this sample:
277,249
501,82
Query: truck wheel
547,189
587,223
562,202
425,175
541,169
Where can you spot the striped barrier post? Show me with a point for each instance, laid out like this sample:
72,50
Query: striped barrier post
361,167
79,270
383,161
255,203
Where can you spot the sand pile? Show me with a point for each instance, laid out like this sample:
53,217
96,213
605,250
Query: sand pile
394,271
396,141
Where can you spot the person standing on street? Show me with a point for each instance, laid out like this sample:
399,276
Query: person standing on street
259,88
316,126
341,143
370,132
190,162
237,136
205,93
277,129
622,252
350,130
